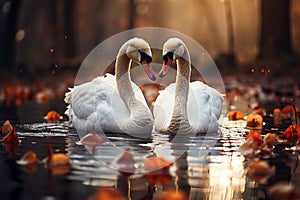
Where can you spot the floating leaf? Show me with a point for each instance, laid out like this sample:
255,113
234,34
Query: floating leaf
256,136
172,194
57,163
254,121
156,163
53,116
6,128
292,133
29,161
92,141
249,147
271,140
11,141
283,191
157,170
288,112
260,171
125,163
160,177
107,194
235,115
28,158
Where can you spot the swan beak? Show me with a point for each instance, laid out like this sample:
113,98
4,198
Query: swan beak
165,68
149,70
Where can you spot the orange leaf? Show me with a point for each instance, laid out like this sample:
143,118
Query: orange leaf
237,115
53,116
291,133
156,163
254,121
172,194
256,136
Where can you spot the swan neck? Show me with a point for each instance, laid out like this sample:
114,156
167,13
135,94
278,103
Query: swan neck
123,79
179,120
182,86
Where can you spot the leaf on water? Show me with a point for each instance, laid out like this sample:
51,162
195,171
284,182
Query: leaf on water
125,163
11,141
283,190
6,128
254,121
271,140
28,158
256,136
260,171
92,139
249,147
172,194
235,115
52,116
107,193
156,163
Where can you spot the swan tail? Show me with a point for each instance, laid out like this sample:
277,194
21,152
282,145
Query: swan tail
68,95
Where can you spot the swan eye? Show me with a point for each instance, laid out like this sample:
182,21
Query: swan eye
144,57
167,56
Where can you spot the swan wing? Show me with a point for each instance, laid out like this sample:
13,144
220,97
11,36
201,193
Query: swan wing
163,107
96,105
204,107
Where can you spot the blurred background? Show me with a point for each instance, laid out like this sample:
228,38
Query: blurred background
238,33
42,43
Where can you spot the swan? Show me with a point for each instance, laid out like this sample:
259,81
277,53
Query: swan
113,103
184,106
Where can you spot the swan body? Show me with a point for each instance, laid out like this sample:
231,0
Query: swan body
184,106
113,103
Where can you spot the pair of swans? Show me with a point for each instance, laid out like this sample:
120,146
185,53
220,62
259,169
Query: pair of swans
113,103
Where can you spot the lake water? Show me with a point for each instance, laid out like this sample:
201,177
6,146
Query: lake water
205,166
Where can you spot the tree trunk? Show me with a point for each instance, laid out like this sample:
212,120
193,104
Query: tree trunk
275,28
7,46
69,28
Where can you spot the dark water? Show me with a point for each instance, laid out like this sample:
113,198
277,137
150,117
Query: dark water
205,167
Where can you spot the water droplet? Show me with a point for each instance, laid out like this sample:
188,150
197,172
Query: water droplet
6,7
20,35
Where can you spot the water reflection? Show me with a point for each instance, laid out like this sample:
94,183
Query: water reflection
204,166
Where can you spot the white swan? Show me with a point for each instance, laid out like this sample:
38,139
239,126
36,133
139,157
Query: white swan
183,106
113,103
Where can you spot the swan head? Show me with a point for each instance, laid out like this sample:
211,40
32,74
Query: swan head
173,49
139,51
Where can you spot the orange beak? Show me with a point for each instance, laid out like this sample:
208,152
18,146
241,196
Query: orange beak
165,68
149,70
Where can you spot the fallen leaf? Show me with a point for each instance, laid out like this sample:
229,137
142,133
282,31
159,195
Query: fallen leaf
28,158
6,128
52,116
156,163
107,194
125,164
235,115
256,136
260,171
11,141
172,194
292,133
157,170
249,147
283,191
254,121
271,140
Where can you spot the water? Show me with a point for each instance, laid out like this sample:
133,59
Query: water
205,166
